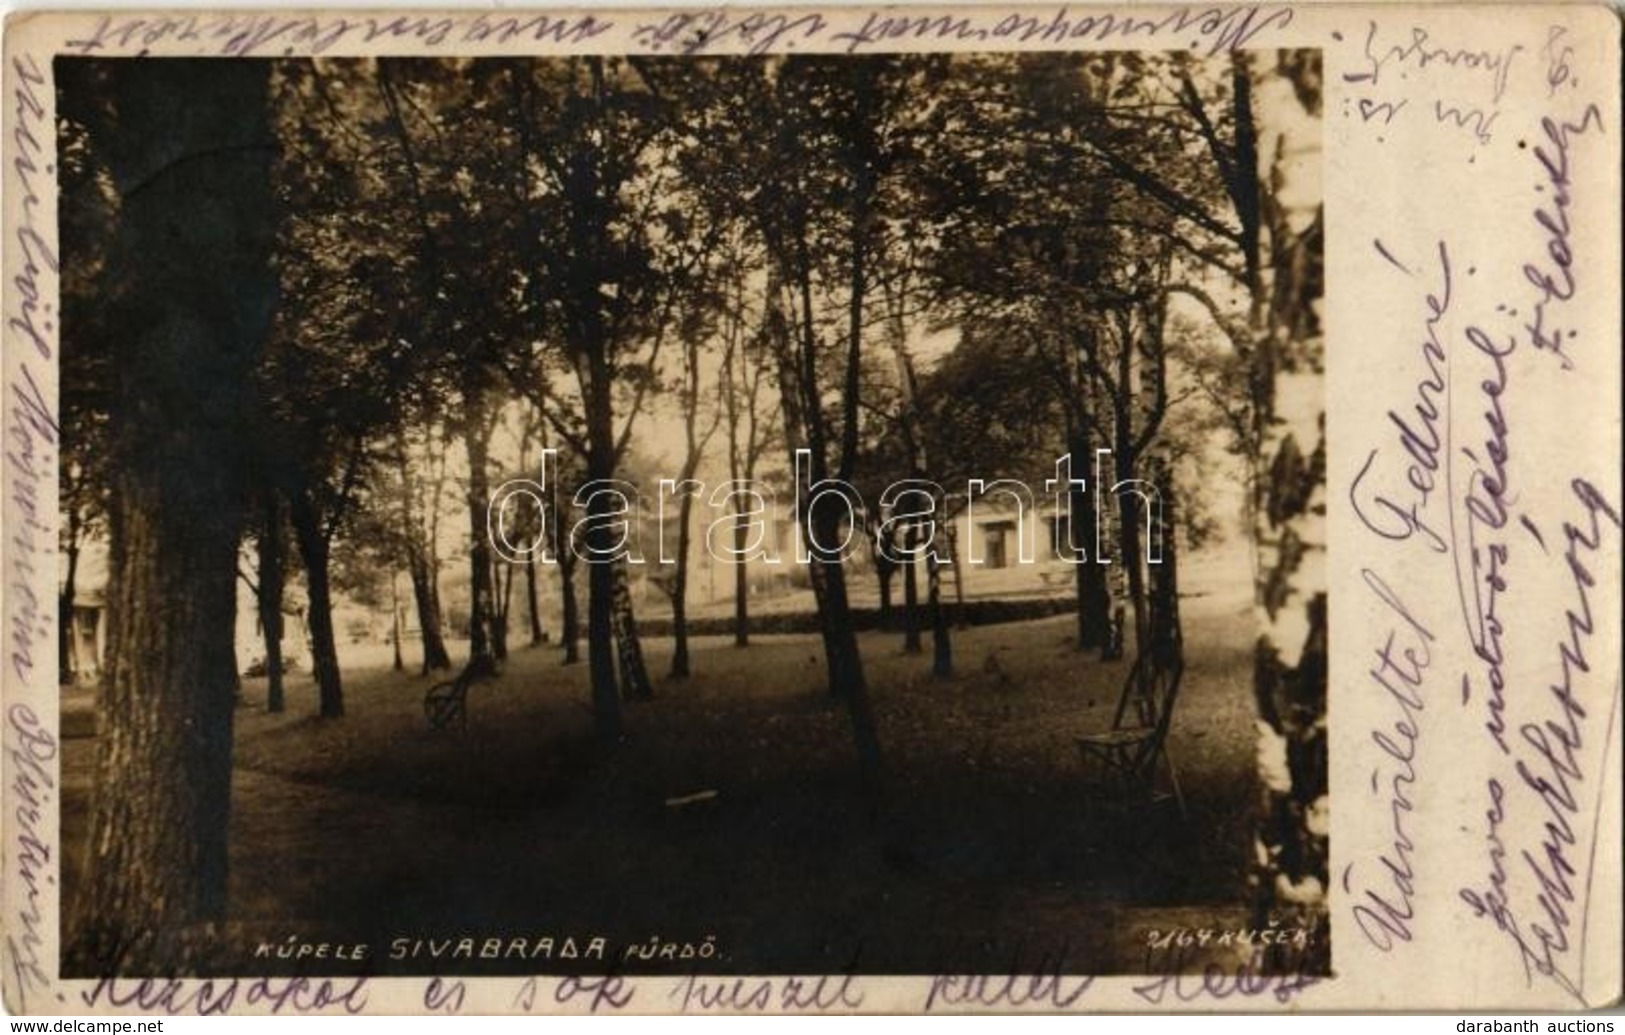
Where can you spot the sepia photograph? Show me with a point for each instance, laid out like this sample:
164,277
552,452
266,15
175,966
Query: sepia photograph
693,515
811,511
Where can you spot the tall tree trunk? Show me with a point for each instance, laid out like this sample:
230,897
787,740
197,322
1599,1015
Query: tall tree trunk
538,635
499,610
426,596
396,625
1132,551
601,541
911,596
1093,599
535,421
884,571
741,583
842,658
844,662
942,651
1290,480
679,589
313,549
920,468
1166,631
600,651
1125,457
744,447
67,654
158,845
694,444
800,400
270,598
197,238
482,605
422,564
569,612
635,683
958,568
1096,626
590,345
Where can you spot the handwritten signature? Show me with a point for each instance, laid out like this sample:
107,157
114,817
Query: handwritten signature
1555,282
1548,766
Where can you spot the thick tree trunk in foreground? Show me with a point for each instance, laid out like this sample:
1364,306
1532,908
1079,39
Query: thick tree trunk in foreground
1290,478
158,843
194,244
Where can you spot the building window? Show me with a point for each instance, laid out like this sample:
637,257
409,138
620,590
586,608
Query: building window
1059,532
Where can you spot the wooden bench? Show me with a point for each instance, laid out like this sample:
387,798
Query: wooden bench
446,704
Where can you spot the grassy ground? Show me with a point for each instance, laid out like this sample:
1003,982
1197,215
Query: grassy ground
992,850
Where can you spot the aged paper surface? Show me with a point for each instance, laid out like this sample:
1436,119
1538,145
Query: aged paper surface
1344,280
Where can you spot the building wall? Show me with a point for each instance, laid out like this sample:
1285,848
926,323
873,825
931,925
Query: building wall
1001,549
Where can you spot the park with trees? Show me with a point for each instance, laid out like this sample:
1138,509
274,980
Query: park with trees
317,313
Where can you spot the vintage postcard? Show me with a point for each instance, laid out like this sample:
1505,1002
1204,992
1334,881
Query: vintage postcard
721,510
